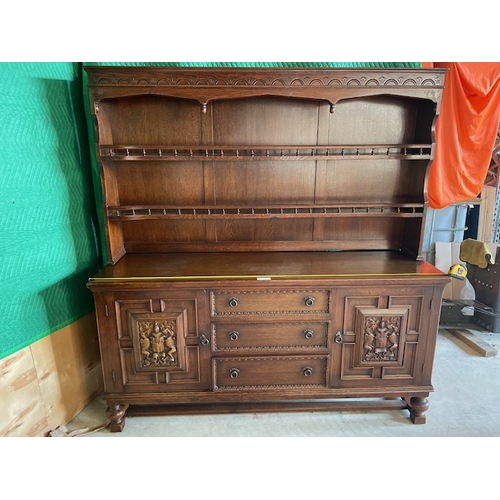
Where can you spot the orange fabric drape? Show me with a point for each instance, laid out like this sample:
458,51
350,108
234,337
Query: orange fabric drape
465,132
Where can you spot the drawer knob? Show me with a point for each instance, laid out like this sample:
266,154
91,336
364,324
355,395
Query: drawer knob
234,372
309,301
308,334
233,301
307,371
338,337
204,340
234,335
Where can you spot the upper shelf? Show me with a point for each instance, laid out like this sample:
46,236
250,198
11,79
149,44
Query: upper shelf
248,159
235,153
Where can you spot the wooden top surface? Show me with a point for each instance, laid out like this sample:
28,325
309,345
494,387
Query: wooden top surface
265,266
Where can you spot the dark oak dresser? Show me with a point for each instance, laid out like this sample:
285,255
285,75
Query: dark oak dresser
264,232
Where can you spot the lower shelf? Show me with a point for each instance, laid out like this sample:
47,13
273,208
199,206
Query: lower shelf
417,405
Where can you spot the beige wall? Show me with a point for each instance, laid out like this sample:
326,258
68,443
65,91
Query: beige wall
46,384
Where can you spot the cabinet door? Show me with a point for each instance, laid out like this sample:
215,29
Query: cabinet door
385,338
160,342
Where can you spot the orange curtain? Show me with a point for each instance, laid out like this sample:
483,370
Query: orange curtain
465,132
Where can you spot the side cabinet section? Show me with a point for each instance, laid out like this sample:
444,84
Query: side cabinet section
385,337
154,341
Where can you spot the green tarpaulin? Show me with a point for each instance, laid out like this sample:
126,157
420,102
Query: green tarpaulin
48,246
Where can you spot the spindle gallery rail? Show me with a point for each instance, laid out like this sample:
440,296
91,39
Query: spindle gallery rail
235,153
254,212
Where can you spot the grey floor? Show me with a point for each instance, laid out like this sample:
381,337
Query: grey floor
465,403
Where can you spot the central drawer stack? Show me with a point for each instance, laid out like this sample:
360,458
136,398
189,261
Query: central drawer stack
253,329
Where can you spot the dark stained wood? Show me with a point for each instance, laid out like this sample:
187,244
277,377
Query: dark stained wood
264,230
275,265
221,408
223,138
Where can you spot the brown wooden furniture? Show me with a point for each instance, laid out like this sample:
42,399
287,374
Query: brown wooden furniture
264,230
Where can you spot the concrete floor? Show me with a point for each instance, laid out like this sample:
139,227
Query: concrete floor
465,403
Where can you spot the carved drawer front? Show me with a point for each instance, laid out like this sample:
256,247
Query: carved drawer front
263,336
270,302
270,372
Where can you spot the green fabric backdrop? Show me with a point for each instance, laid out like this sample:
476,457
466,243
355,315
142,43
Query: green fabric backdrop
48,237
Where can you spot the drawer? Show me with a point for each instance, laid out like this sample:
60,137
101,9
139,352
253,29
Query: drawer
226,303
289,335
270,372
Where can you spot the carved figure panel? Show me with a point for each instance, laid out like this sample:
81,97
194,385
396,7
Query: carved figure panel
158,343
381,338
381,334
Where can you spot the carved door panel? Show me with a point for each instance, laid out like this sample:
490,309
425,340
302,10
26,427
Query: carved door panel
161,341
382,337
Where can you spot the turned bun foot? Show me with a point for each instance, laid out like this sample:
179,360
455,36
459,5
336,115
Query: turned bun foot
116,415
418,406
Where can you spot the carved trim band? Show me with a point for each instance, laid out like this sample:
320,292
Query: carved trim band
279,78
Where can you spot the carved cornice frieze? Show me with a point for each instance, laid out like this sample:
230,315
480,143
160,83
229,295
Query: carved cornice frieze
277,78
209,84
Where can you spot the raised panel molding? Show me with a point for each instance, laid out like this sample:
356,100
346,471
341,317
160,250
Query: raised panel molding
380,343
158,342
